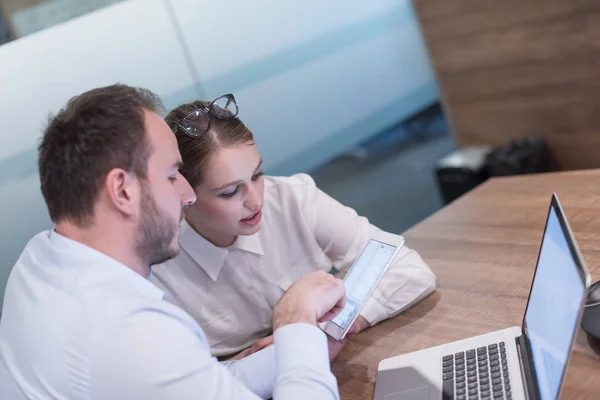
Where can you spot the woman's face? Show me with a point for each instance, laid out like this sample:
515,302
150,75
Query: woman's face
230,198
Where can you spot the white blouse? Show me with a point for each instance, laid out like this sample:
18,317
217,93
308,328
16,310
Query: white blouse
231,292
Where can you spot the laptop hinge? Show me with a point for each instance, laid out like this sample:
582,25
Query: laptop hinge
527,372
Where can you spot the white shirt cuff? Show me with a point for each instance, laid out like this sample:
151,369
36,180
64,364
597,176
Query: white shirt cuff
301,346
259,372
373,311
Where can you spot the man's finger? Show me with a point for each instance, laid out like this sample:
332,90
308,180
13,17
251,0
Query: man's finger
329,315
335,310
339,306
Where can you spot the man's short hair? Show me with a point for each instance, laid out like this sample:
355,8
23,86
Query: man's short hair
97,131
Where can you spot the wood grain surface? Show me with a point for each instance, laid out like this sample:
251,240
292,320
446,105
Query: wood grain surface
483,249
512,68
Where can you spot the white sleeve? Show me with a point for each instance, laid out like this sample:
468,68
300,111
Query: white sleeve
157,355
257,371
303,366
342,234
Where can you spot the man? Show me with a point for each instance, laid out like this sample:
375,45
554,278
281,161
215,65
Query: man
80,318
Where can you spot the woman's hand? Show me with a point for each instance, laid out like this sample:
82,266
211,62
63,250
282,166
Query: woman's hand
257,346
362,323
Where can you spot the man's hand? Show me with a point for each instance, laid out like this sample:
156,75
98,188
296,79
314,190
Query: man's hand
335,346
316,297
257,346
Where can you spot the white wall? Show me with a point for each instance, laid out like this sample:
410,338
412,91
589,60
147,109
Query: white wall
312,78
306,71
39,73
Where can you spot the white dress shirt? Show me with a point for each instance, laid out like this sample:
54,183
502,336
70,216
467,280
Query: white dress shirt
77,324
231,292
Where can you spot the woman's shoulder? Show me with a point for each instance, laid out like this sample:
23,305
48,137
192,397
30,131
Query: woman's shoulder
292,181
289,190
297,185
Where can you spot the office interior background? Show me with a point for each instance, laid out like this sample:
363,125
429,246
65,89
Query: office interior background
343,92
373,99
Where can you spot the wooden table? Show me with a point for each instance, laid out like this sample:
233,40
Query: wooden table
483,249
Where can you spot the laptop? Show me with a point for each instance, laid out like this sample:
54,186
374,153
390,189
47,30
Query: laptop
526,362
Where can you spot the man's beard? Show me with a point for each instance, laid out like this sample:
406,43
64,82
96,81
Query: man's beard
156,232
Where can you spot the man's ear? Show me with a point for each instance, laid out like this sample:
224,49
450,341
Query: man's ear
122,190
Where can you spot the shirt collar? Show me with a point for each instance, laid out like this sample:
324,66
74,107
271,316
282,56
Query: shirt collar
250,244
110,268
210,257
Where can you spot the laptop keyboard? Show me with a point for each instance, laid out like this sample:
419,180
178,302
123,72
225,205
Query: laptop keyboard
476,374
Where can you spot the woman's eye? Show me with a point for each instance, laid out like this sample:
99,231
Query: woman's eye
255,177
229,195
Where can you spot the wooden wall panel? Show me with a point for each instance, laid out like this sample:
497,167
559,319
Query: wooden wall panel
512,68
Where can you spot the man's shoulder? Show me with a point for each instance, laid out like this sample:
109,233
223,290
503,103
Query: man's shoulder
139,350
37,244
151,315
120,301
155,327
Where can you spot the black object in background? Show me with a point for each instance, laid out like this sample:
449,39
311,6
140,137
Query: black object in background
464,169
590,322
4,33
527,155
461,171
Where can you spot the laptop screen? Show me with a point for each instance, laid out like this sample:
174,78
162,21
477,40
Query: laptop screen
555,300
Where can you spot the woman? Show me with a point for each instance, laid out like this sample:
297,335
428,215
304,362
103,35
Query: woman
248,237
